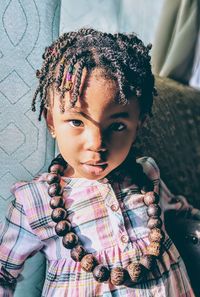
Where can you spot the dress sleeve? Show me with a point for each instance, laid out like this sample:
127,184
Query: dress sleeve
152,171
169,201
17,243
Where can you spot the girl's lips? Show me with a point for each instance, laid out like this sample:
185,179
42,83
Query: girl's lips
96,169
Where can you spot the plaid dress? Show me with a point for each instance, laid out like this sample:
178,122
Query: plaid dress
111,222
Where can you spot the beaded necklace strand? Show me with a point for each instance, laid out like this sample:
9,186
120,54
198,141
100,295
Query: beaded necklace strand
134,272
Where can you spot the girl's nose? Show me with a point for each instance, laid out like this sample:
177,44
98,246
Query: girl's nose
94,140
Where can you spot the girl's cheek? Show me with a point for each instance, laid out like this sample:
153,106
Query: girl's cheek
67,131
120,146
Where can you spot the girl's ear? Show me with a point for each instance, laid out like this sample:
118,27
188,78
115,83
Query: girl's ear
49,121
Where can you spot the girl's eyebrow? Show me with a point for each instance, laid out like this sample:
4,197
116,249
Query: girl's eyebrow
124,115
75,111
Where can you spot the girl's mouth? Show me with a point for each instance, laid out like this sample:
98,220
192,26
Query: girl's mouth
96,169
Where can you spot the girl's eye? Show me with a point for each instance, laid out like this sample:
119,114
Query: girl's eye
76,123
118,127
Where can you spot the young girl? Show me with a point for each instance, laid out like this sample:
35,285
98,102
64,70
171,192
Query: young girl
96,214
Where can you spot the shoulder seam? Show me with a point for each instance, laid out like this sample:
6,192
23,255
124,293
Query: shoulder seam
23,185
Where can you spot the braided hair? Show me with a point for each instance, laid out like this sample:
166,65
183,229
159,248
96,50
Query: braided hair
122,57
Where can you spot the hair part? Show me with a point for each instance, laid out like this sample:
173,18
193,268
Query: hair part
122,57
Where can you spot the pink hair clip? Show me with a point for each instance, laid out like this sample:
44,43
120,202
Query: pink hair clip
68,78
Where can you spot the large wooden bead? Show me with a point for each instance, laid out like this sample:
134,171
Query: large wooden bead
56,201
70,240
58,214
89,262
150,198
52,178
154,223
135,271
101,273
156,234
62,228
56,168
118,276
54,190
77,253
154,210
148,261
154,249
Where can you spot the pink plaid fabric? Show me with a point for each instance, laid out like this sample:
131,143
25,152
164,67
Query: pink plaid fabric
102,214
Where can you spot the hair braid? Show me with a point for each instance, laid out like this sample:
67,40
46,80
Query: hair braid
115,61
34,98
75,93
121,82
122,57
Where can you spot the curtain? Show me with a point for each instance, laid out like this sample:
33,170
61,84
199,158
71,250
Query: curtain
175,39
195,78
136,16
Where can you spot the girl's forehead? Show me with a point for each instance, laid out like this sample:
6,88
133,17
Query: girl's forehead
95,86
98,80
99,109
98,88
98,95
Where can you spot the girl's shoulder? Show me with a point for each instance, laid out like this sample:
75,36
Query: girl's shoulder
151,169
149,166
32,196
21,185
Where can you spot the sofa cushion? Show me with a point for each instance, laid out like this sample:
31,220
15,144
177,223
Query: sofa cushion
172,137
26,149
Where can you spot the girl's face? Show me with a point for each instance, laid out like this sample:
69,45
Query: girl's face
95,136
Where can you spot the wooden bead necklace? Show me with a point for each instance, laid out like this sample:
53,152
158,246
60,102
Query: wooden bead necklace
134,272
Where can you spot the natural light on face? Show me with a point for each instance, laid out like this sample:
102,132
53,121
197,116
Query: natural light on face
95,136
